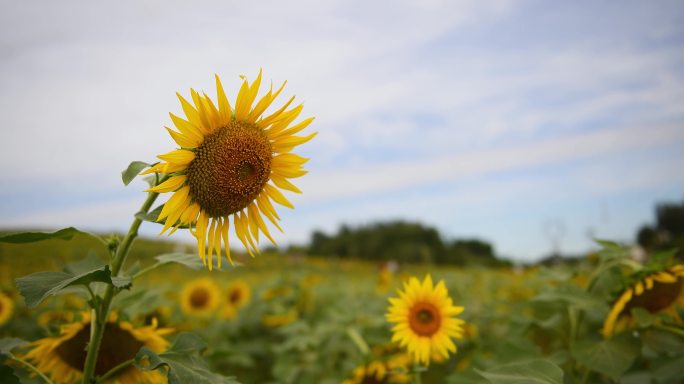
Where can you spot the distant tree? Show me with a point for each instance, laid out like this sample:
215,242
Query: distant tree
669,229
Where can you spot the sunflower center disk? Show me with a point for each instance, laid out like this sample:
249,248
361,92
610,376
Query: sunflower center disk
661,296
424,319
235,297
230,168
199,298
118,345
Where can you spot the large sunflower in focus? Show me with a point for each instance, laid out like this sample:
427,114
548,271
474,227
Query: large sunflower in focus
62,357
425,322
232,162
660,292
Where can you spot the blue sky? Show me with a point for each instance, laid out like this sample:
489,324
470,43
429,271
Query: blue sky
484,119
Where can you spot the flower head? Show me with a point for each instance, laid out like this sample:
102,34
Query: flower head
660,292
200,297
62,357
231,162
425,319
238,294
6,308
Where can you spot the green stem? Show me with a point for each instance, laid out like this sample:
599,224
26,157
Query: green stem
99,318
31,367
115,370
668,328
417,369
144,271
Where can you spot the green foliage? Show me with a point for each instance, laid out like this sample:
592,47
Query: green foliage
38,286
182,362
612,357
133,170
538,371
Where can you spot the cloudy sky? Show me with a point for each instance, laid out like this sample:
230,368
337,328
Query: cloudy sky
517,122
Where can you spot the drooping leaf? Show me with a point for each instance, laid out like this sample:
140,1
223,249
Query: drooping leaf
38,286
612,357
537,371
7,344
189,260
31,237
184,365
7,375
132,171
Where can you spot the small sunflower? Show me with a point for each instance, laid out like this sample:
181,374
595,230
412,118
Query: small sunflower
6,308
231,162
660,292
238,294
381,372
200,297
62,357
424,317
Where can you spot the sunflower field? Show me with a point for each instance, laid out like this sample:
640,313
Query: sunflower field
79,307
281,318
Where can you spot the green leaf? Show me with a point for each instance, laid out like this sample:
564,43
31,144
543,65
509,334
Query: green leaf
189,260
608,244
572,295
612,357
132,171
183,362
7,375
31,237
7,344
38,286
150,216
538,371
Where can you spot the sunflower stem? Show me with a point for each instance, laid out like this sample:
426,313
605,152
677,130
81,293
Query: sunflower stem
417,369
99,318
115,370
31,367
671,329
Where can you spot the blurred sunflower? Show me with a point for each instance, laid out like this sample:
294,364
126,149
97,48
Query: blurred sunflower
238,294
53,317
274,320
381,372
660,292
227,160
6,308
62,357
200,297
424,317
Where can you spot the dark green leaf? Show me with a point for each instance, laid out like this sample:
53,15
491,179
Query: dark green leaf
38,286
669,370
7,375
643,317
184,365
525,372
30,237
7,344
612,357
132,171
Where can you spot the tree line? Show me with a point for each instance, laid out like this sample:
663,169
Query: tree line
402,241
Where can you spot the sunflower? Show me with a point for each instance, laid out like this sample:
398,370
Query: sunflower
62,357
381,372
660,292
200,297
424,317
231,162
6,308
238,294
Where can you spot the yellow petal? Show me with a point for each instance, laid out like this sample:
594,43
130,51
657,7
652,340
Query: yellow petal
190,111
278,197
169,185
224,236
283,183
225,112
187,128
178,156
182,140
